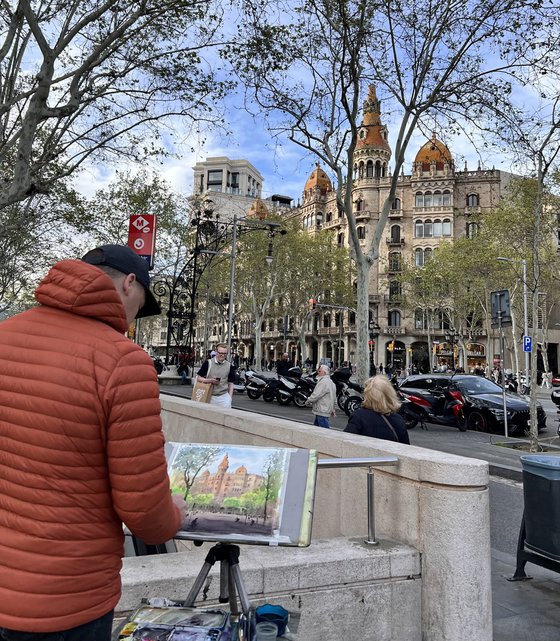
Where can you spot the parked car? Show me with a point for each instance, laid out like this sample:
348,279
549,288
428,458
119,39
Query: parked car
483,402
555,380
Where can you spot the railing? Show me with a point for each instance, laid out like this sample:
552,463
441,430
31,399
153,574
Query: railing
395,241
370,463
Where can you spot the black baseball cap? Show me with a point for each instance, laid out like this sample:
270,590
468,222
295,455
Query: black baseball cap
127,261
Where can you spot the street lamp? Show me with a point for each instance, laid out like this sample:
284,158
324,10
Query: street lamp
525,312
373,335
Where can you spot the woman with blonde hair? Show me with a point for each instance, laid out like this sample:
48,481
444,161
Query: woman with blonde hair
378,415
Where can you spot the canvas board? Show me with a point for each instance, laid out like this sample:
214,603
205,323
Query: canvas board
243,493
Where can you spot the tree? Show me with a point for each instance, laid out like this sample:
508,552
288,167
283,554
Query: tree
87,81
436,63
192,461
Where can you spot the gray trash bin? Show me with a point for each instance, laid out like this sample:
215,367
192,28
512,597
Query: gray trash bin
541,494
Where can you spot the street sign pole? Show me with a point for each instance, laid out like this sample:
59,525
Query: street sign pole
504,401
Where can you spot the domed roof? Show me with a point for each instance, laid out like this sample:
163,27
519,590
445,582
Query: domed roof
241,470
434,151
372,133
258,210
318,178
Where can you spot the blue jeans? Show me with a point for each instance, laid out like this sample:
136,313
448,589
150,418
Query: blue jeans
98,630
322,421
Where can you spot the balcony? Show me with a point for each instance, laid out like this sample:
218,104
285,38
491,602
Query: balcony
374,298
394,330
334,223
394,299
395,213
362,216
395,242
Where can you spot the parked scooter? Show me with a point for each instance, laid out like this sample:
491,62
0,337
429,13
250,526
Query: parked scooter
257,385
448,410
304,389
288,385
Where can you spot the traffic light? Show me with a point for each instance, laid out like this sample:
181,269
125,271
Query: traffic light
312,304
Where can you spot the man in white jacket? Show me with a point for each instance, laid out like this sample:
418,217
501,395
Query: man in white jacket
323,398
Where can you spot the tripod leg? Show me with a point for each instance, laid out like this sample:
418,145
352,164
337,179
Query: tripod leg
197,585
243,596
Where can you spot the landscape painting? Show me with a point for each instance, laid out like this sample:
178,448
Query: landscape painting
232,492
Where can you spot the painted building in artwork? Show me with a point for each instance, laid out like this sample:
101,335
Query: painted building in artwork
226,484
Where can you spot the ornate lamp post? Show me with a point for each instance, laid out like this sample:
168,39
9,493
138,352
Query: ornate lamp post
452,336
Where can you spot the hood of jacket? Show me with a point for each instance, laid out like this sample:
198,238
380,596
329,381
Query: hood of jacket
85,290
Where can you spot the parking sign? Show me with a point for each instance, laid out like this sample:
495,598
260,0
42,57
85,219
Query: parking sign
527,343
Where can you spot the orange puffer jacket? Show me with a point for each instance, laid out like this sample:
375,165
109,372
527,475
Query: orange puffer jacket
81,452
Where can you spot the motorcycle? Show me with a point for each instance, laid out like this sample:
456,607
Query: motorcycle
287,387
257,385
304,389
238,383
511,383
341,379
446,410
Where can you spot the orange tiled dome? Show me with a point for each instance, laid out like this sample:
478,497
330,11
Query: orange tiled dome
318,178
258,210
434,151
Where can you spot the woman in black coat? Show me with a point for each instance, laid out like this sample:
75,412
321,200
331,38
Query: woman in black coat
378,415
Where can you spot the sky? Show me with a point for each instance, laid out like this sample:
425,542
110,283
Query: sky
284,166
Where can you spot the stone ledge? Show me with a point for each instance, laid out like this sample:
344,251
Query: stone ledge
340,587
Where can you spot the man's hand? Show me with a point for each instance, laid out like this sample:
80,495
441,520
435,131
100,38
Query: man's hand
181,505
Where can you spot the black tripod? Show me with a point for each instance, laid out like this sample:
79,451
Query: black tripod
231,585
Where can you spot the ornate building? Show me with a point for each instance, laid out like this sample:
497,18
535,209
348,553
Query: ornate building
432,204
224,484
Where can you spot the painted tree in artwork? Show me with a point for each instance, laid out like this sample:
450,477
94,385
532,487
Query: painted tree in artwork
191,461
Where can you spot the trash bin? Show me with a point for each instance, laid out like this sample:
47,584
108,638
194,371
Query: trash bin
541,495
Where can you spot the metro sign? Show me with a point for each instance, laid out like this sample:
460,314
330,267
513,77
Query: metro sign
142,236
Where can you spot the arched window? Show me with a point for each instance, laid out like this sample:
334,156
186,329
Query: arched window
369,169
328,217
361,170
437,199
427,254
327,320
361,232
395,262
472,230
428,229
395,234
394,318
394,289
420,321
438,228
446,200
419,199
419,229
340,240
359,204
446,227
428,199
355,172
396,206
378,169
473,200
419,257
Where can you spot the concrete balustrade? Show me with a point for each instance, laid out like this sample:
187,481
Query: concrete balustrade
432,504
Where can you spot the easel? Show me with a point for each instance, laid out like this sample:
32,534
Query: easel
231,586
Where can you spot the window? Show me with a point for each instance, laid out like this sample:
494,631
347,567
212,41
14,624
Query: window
419,229
340,240
395,262
396,206
214,180
437,199
378,169
361,232
446,227
428,199
395,234
438,228
472,230
359,205
369,169
394,289
327,320
420,320
232,182
422,256
446,200
394,318
419,199
473,200
428,229
328,217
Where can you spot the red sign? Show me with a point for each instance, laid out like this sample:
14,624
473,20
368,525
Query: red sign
142,236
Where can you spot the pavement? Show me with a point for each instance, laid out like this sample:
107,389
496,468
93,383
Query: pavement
522,610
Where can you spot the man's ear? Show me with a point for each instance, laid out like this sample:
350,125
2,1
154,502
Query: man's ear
128,282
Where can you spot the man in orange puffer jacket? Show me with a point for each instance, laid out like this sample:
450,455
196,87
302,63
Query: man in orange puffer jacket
81,449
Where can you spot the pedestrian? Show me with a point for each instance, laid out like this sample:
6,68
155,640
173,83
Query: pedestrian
81,448
221,374
546,378
378,415
323,398
380,368
284,364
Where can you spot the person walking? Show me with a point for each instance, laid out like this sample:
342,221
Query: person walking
378,415
81,448
323,398
284,364
221,374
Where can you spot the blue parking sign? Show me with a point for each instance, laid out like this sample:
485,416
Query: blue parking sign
527,344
